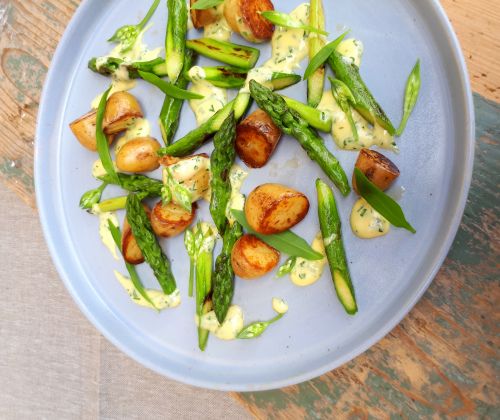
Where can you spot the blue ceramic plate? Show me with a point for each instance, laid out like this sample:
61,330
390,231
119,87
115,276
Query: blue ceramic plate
390,274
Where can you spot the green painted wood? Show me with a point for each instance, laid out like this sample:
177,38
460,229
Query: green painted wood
443,359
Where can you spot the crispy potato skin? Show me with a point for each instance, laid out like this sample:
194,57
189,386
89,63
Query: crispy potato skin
256,139
121,110
84,130
130,250
274,208
138,155
378,169
251,258
243,17
171,220
200,18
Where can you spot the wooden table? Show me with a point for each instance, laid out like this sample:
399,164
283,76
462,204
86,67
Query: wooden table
442,360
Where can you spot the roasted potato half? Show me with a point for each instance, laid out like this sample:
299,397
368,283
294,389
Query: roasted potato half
200,18
130,250
244,18
171,220
84,130
378,169
138,155
256,139
121,110
274,208
253,258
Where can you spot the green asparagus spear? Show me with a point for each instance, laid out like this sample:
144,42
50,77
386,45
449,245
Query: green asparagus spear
315,118
194,139
222,76
127,35
221,160
107,66
111,204
171,109
345,99
316,81
291,123
226,52
224,274
329,222
92,197
175,41
366,104
136,183
148,244
203,291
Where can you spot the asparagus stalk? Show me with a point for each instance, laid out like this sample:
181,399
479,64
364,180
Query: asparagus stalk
171,109
203,292
91,197
318,119
329,221
148,244
221,160
224,274
136,183
107,66
365,103
233,54
175,41
316,81
222,76
293,124
195,138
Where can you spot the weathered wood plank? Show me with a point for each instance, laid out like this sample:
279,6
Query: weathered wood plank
442,360
29,33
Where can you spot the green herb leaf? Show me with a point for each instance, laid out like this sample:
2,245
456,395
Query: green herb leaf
411,95
102,141
287,242
287,267
319,59
168,88
134,277
344,97
92,197
206,4
256,329
381,202
285,20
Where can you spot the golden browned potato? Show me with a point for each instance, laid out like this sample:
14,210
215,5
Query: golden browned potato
121,110
130,250
200,18
251,258
171,220
274,208
84,130
378,169
138,155
256,139
244,18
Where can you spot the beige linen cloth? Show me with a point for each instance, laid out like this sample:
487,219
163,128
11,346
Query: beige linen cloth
55,364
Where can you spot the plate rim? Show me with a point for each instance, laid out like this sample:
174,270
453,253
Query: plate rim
394,319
